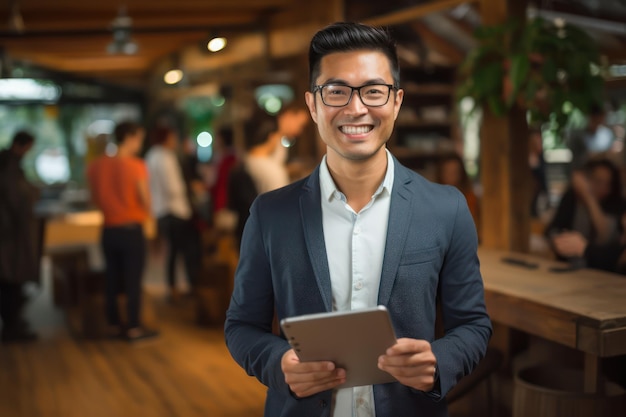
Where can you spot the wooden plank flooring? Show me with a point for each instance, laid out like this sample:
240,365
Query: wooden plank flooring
187,372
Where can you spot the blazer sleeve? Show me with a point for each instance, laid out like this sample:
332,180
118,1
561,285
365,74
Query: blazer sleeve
248,327
467,327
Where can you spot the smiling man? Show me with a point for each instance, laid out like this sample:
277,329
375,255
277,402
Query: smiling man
361,230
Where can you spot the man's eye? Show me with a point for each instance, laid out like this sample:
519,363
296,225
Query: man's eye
336,92
373,91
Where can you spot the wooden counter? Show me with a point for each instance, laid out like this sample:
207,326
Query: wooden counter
583,309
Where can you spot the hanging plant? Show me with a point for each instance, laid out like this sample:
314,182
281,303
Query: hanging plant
546,68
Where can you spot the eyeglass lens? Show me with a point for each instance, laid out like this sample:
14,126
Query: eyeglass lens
340,95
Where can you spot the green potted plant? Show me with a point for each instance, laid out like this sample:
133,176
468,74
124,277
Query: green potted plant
546,68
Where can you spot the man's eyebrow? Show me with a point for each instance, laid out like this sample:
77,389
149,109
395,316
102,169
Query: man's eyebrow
343,82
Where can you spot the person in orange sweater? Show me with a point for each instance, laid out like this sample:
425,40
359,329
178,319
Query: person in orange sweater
119,188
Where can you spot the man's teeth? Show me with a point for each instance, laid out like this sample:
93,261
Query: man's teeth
355,130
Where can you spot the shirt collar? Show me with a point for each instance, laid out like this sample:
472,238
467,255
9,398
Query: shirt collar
330,190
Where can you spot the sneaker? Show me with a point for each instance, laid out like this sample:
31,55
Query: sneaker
140,333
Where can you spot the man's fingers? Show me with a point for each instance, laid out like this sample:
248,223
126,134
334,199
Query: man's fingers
405,346
425,359
303,386
308,378
308,390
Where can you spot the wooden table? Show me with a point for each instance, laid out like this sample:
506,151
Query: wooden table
583,309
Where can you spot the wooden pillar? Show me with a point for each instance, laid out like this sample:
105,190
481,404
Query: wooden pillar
504,169
505,178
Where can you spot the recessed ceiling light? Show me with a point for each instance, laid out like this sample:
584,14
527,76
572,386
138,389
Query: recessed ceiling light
173,76
216,44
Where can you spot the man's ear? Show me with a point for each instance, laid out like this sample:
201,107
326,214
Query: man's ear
399,97
310,103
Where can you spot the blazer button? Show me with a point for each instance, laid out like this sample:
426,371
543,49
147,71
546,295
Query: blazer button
321,403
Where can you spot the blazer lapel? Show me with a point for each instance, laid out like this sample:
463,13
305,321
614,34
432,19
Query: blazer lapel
400,214
311,211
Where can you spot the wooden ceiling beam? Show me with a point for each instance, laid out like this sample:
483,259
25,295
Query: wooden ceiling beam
436,42
415,12
145,42
103,7
59,26
126,62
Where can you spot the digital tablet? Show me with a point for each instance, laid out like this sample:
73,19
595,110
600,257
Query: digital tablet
353,340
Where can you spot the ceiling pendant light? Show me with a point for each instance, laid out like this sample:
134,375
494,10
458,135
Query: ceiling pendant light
16,22
122,42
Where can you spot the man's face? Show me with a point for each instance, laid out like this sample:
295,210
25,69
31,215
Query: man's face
354,132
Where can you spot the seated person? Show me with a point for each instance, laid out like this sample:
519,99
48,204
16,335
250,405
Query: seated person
608,257
591,206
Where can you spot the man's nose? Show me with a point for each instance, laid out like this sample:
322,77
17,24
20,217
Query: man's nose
356,105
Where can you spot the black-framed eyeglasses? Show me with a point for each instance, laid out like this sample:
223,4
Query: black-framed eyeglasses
339,95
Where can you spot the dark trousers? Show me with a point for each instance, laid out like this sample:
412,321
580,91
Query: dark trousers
11,303
124,250
182,238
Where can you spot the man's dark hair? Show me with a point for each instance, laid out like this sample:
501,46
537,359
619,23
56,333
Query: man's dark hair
346,37
125,129
22,138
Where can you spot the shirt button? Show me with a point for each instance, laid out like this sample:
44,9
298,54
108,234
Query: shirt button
358,285
360,402
321,403
357,230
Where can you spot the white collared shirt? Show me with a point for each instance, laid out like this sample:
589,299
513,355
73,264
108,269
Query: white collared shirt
355,246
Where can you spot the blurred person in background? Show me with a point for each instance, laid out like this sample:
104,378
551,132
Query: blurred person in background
19,250
225,160
119,188
172,208
242,185
267,156
451,171
590,207
264,168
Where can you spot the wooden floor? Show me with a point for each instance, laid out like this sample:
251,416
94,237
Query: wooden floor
187,372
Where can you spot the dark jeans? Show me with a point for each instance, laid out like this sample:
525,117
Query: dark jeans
124,250
11,303
182,238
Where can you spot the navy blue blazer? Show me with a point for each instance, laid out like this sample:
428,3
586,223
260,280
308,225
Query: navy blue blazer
430,255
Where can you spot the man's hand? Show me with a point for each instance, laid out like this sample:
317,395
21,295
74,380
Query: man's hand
411,362
308,378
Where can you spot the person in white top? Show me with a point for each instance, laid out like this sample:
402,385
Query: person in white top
171,207
270,138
